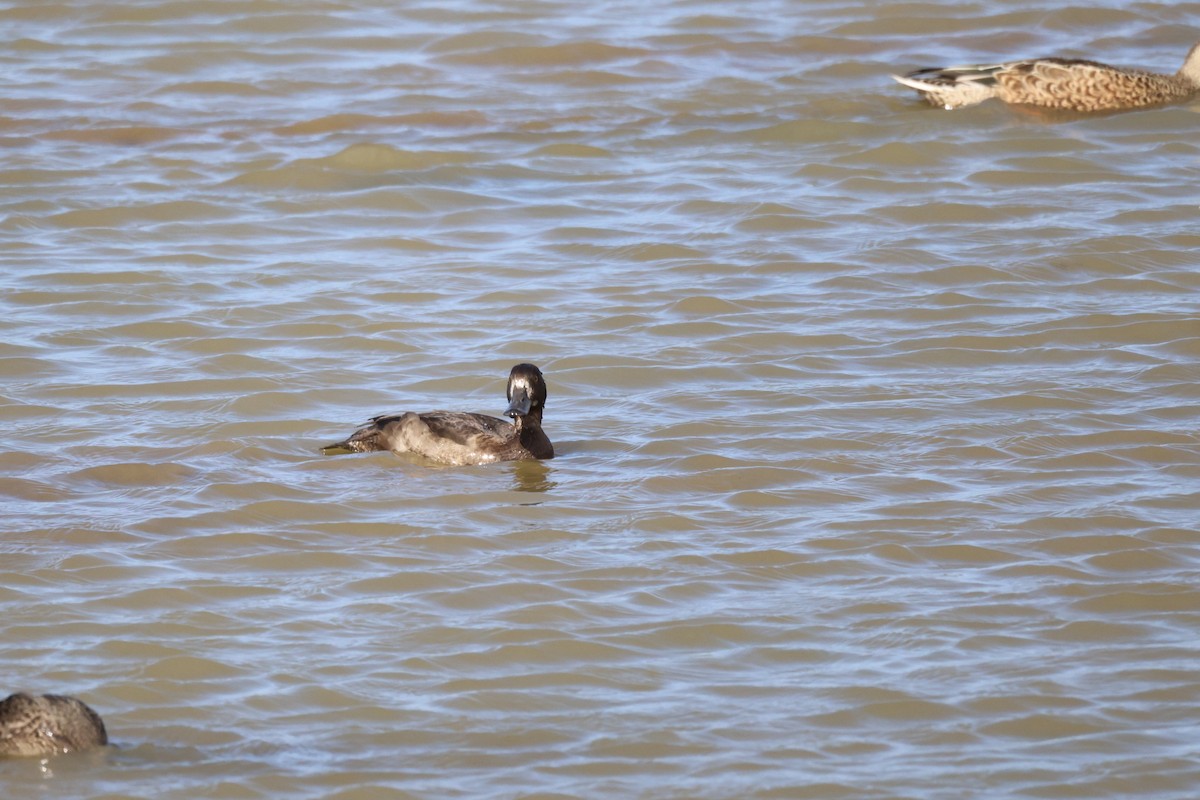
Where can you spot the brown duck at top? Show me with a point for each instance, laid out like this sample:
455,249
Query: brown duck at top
1059,83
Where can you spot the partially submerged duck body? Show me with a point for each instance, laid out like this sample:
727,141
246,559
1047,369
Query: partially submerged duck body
48,724
460,437
1058,83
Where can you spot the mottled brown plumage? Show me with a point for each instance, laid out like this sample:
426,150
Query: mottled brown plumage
48,724
461,437
1058,83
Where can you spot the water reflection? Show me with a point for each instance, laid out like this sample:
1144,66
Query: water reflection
532,476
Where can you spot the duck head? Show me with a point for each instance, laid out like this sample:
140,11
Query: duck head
526,391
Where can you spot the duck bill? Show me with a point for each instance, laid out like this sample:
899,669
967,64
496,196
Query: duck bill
518,406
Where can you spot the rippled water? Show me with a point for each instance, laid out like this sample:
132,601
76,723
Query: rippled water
878,425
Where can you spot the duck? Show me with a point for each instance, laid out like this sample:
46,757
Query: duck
462,438
47,725
1057,83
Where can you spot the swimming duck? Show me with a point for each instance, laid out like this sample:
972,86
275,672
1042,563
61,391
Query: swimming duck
1060,83
48,724
460,437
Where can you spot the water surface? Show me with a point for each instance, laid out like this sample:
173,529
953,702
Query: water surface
877,424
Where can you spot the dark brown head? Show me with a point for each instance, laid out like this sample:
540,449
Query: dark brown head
526,392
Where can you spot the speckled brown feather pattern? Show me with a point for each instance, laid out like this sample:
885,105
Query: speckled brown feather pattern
48,724
1058,83
1086,86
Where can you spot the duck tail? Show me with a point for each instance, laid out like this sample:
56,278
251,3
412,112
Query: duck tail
367,439
337,449
954,87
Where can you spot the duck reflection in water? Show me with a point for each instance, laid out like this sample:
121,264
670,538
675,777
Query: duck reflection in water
459,437
47,725
532,476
